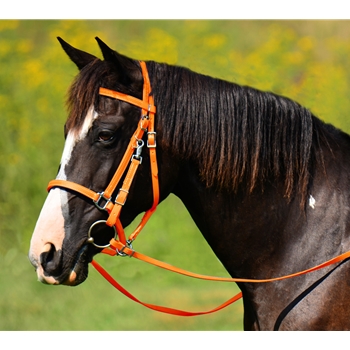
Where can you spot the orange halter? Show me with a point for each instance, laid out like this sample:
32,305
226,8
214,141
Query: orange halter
103,201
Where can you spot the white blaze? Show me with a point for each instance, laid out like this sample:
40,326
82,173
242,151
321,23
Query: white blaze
49,228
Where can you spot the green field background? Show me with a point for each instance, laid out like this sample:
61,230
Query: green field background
305,60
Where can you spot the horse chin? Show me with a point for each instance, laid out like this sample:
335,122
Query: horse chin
76,276
79,273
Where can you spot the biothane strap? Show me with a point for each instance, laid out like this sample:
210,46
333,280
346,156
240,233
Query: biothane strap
158,308
127,98
117,246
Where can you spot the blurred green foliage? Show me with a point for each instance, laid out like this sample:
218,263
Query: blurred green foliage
304,60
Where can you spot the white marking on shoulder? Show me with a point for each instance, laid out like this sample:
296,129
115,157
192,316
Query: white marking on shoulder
312,202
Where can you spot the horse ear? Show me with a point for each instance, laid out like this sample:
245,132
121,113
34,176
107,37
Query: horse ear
107,52
126,67
79,57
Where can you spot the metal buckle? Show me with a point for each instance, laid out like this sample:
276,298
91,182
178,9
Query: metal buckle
139,158
141,124
121,251
155,143
102,197
116,202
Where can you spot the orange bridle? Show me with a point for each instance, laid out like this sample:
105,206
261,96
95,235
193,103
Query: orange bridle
103,201
131,158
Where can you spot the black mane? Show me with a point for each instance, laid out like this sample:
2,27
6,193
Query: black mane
238,135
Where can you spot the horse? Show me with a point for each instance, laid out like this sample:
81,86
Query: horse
266,182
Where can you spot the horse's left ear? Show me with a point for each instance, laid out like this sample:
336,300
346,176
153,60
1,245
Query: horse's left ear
125,66
79,57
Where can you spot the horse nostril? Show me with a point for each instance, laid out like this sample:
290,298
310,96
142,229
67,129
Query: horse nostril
50,259
47,255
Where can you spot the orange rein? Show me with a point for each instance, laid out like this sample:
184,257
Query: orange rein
103,201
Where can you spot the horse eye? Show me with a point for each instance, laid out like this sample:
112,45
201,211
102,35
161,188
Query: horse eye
106,136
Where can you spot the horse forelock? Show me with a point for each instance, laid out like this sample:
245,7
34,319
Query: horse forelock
83,93
238,136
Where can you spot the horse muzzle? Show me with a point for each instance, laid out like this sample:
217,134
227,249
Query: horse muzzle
51,268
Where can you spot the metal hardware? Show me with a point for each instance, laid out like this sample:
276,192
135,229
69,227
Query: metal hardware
141,124
121,251
155,144
91,239
116,202
138,151
102,197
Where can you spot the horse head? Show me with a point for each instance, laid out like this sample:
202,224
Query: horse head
97,134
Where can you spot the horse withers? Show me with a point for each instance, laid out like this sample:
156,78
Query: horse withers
267,185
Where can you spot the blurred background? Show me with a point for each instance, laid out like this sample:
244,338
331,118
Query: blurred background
304,60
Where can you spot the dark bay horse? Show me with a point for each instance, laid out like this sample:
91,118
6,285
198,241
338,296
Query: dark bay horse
266,182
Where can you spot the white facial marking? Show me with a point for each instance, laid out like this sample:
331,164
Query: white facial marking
72,139
49,229
312,202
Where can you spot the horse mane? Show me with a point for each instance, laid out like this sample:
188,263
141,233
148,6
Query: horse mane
238,135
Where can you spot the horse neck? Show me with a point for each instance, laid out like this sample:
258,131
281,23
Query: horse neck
239,228
228,220
263,234
264,218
